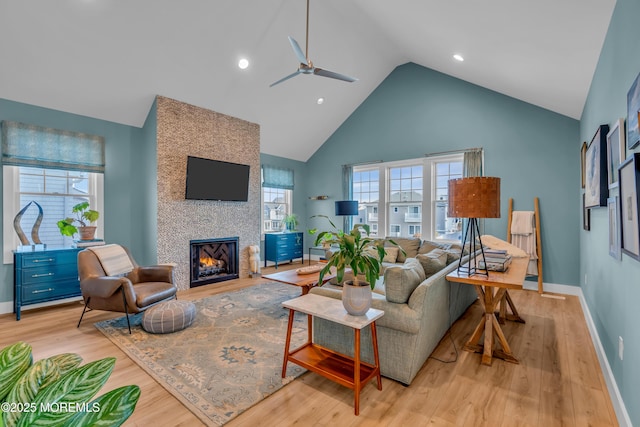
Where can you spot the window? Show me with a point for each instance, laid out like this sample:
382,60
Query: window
409,198
276,205
366,187
56,191
445,227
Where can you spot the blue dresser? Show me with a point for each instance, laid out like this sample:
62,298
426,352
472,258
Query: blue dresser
282,247
44,275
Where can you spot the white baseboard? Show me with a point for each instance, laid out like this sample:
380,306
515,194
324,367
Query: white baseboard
612,386
7,307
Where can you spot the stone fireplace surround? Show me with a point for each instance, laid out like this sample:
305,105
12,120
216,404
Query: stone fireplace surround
186,130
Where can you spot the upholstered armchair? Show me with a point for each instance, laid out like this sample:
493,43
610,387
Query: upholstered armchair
128,292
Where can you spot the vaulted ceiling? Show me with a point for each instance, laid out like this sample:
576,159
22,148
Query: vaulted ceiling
108,59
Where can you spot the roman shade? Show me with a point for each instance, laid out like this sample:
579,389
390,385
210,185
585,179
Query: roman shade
36,146
275,177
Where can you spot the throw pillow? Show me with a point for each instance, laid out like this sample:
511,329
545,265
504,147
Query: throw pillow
433,262
392,254
401,281
428,245
409,245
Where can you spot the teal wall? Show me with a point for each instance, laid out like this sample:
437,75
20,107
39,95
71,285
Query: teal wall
416,111
127,169
612,288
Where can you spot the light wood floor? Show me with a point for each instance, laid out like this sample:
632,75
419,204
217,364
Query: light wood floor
557,383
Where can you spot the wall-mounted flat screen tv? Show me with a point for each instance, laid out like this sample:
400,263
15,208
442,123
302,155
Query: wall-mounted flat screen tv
216,180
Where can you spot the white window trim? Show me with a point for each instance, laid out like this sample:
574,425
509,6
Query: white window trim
428,176
288,194
11,204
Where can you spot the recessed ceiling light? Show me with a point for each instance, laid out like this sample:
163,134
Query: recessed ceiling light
320,101
243,63
458,57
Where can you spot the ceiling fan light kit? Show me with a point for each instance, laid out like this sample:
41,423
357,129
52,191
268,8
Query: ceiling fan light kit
306,66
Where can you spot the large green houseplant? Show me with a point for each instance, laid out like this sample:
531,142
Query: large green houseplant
356,250
57,391
85,217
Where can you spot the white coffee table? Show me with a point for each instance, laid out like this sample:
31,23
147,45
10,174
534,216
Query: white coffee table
342,369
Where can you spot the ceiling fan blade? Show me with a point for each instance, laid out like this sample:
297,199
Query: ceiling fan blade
296,49
331,74
284,78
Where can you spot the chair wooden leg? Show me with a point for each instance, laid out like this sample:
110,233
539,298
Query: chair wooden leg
126,311
86,304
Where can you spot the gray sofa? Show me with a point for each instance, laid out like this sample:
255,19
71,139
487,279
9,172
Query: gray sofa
418,312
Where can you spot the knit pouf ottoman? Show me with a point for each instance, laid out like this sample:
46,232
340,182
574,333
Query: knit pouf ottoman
168,316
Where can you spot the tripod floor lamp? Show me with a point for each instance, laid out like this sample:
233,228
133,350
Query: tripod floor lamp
474,198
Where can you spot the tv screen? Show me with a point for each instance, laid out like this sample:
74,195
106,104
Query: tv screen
216,180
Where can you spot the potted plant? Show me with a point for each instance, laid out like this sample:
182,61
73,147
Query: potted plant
84,215
290,222
360,252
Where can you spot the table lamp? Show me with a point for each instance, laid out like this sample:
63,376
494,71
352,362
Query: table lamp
473,198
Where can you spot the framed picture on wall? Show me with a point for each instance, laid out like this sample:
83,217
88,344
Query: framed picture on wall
629,180
596,187
586,216
616,150
633,109
614,228
583,156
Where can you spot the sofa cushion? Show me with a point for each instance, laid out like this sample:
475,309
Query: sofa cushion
401,281
409,246
433,262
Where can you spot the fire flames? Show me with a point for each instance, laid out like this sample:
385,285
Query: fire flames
206,261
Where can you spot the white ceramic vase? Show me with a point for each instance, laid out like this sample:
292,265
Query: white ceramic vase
356,299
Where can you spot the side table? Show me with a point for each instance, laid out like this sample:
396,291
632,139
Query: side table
342,369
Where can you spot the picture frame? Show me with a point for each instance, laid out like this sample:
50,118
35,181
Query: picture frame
614,228
616,150
629,182
586,216
596,189
583,157
633,110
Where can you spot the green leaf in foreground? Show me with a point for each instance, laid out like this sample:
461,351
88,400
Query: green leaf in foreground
114,408
14,361
78,386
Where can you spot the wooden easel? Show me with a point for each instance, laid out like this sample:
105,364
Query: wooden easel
536,214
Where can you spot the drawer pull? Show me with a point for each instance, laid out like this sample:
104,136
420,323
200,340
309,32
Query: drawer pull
44,260
42,290
42,275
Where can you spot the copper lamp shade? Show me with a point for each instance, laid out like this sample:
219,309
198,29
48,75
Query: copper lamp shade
475,197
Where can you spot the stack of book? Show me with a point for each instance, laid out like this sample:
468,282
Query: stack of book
496,260
88,243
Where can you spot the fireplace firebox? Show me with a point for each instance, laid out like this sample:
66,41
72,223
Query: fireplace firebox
213,260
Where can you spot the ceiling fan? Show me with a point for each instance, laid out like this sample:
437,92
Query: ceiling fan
306,66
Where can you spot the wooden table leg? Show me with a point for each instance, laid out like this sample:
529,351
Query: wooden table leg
356,372
376,358
505,302
286,344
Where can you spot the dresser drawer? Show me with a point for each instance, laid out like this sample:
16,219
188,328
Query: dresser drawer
50,290
48,259
47,274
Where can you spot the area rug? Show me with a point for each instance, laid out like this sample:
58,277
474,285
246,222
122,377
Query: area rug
228,360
